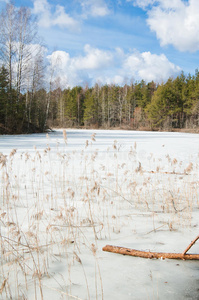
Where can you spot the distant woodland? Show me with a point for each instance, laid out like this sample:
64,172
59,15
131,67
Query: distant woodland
30,104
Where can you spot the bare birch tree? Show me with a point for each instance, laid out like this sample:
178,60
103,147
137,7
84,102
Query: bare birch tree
18,43
7,40
20,50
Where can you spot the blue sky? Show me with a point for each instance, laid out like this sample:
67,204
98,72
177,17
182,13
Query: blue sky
117,41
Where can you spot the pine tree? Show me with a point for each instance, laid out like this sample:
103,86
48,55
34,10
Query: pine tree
4,87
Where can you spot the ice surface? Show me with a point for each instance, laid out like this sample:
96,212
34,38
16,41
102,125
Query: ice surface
62,200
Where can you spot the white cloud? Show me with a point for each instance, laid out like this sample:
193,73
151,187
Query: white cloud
142,3
59,17
64,20
95,8
175,22
116,67
94,59
164,3
150,67
42,9
51,15
117,80
59,60
79,69
40,6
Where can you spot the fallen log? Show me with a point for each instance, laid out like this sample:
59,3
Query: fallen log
148,254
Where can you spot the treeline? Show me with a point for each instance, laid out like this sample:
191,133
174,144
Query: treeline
147,106
142,106
102,106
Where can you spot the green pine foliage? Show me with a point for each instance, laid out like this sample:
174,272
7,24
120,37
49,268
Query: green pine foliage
175,104
90,108
4,84
141,105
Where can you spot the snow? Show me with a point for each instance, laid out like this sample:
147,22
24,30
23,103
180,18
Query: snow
63,199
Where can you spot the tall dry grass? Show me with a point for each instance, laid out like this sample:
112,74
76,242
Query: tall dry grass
56,207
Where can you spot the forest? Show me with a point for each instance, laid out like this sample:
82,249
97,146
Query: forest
31,103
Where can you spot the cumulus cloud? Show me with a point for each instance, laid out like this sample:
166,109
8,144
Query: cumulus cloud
79,69
93,59
95,8
59,17
175,22
106,67
59,60
150,66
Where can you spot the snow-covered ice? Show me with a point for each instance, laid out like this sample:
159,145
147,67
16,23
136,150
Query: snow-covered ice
63,199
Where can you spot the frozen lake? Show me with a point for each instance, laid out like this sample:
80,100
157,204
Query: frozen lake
65,196
156,142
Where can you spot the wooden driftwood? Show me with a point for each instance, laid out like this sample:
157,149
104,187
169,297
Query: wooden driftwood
190,245
148,254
